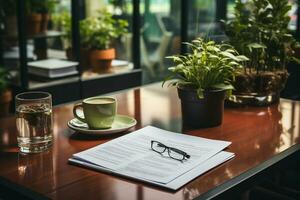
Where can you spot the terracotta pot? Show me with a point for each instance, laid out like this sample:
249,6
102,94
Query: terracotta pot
34,21
100,60
201,113
44,22
5,100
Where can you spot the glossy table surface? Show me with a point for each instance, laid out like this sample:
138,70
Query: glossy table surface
258,135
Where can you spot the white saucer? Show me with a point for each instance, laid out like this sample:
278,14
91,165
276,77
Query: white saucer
121,123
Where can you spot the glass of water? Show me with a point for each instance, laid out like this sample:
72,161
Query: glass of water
34,121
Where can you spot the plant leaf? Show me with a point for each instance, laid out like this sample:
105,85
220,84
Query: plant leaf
223,86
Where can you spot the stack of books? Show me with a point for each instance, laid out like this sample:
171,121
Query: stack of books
52,68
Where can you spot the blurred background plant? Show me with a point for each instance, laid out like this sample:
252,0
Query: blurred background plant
99,32
260,31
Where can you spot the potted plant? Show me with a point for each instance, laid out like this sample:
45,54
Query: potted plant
47,7
33,16
38,17
5,92
260,31
98,34
204,76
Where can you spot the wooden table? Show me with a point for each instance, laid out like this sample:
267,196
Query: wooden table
260,137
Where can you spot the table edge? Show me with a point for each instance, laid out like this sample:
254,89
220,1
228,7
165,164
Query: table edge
248,174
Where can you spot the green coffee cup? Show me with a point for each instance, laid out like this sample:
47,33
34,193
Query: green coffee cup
99,112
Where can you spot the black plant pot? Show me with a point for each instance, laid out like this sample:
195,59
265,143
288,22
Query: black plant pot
202,113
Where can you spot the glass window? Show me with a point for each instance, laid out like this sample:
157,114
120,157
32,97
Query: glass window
9,44
110,23
202,19
230,9
48,31
160,36
293,15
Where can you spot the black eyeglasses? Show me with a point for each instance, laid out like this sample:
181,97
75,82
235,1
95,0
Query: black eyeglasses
172,152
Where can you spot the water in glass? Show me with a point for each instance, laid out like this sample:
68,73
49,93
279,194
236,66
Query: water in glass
34,124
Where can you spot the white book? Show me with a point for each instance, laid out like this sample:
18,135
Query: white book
52,68
131,156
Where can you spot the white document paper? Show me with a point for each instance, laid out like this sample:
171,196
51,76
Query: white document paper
131,155
212,162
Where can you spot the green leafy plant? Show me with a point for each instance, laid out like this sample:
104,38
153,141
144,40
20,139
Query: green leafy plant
260,31
209,66
4,79
98,32
95,32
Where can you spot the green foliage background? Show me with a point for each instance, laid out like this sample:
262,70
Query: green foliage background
95,32
260,31
98,32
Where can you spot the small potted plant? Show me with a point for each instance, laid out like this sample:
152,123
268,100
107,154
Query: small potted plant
5,92
47,7
260,31
98,34
38,17
33,16
204,76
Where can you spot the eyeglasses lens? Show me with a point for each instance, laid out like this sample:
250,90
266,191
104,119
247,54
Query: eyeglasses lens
156,146
175,155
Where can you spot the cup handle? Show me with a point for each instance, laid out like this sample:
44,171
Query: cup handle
75,108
